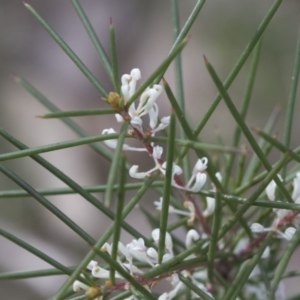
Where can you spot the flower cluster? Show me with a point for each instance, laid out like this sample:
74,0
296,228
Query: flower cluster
148,106
137,251
283,216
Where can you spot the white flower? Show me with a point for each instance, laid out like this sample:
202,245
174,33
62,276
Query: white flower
172,210
113,142
289,233
197,179
211,202
138,250
164,123
271,188
78,286
102,273
147,103
92,264
168,240
191,237
129,83
257,228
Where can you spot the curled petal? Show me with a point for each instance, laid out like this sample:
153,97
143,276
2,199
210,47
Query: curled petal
176,170
133,172
78,286
148,99
210,207
136,74
164,122
199,182
92,264
102,273
191,237
201,165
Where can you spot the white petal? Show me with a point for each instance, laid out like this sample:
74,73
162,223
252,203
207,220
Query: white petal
201,165
219,176
266,253
289,233
92,264
270,190
153,116
152,253
199,182
155,235
78,286
136,121
119,118
191,237
136,74
125,79
157,152
256,227
210,206
133,172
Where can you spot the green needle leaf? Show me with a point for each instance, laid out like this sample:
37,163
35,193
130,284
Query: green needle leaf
291,101
78,113
67,180
114,58
34,251
119,210
244,128
93,36
81,66
48,104
235,71
213,245
53,209
158,72
115,165
194,288
56,146
167,189
284,259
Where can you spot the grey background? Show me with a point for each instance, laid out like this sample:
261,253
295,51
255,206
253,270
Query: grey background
144,37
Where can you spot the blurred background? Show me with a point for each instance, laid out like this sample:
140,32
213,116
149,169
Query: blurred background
144,38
